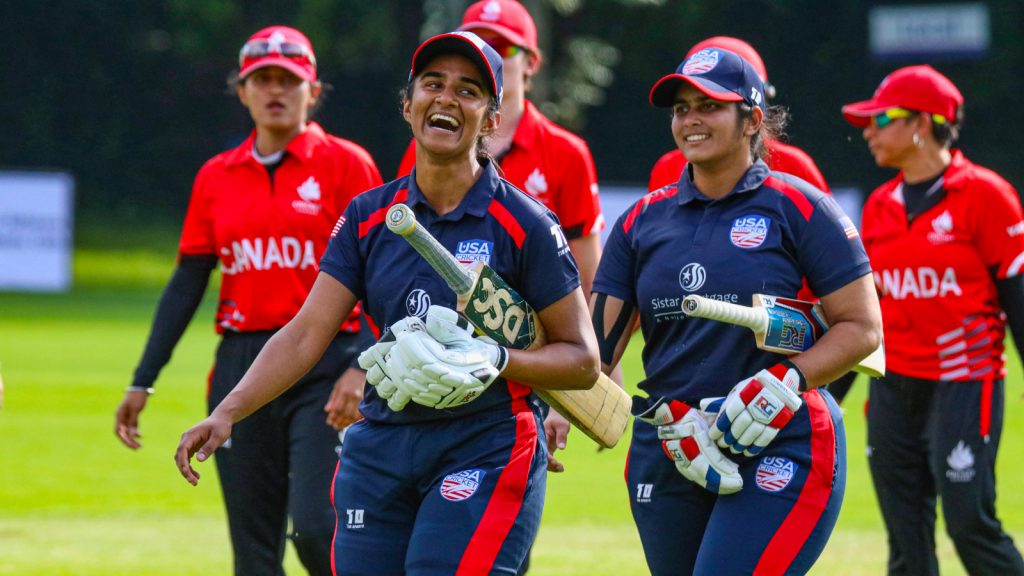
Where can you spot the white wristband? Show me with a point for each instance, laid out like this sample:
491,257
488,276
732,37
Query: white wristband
148,390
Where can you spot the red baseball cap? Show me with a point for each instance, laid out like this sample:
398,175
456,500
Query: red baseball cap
918,88
507,18
278,46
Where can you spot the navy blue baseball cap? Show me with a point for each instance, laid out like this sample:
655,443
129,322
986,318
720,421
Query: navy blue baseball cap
718,73
466,44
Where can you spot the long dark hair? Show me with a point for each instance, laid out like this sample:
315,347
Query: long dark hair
773,127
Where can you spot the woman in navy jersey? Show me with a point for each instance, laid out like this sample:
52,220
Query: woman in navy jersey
446,473
755,468
264,212
946,241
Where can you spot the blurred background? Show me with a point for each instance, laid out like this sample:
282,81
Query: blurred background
111,106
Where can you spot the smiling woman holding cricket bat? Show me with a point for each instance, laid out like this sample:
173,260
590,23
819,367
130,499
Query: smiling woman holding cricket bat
756,465
946,239
446,473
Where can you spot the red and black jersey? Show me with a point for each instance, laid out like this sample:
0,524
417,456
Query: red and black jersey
551,164
269,230
781,157
936,273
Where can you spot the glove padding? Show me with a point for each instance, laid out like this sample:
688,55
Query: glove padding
374,361
757,408
444,366
683,431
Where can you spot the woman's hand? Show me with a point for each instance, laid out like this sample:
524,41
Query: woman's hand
343,406
202,440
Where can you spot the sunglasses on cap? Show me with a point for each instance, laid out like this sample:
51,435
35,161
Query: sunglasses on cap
883,119
504,48
263,47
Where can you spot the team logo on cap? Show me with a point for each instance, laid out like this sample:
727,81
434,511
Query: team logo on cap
701,63
774,473
492,11
461,485
749,231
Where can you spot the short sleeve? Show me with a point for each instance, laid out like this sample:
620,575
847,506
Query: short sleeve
547,270
615,274
1000,230
343,259
197,234
578,205
831,254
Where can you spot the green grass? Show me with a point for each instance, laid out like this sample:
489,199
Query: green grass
73,500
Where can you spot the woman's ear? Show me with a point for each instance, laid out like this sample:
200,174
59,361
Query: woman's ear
491,124
315,90
240,90
755,121
407,111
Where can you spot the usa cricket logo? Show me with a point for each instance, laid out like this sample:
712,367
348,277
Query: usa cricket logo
469,252
461,485
702,62
774,473
749,231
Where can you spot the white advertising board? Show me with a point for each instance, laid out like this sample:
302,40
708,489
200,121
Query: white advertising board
36,224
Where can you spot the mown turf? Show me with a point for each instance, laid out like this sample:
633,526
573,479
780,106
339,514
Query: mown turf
73,500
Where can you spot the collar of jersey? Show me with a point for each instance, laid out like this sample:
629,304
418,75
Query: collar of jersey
301,147
752,179
476,202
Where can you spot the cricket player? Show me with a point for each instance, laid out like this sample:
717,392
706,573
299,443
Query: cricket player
263,213
946,240
737,463
446,473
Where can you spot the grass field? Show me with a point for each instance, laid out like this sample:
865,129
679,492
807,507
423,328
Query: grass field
73,500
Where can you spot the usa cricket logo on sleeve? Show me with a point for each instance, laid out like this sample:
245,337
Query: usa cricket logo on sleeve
461,485
749,231
774,473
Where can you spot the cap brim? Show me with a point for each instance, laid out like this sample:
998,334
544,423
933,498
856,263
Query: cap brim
663,94
859,113
455,44
305,72
498,29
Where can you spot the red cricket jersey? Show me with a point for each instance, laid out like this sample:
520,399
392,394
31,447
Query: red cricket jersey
781,157
269,234
935,277
551,164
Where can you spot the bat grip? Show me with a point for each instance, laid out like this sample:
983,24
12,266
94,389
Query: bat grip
401,220
728,312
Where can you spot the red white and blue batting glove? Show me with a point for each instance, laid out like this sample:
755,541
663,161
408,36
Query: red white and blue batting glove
757,408
683,431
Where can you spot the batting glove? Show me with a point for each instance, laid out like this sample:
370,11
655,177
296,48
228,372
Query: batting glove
683,431
757,408
374,361
445,366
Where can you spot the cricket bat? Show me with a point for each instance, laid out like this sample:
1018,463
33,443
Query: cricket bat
498,311
782,325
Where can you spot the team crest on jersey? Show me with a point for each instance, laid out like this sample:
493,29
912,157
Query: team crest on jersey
749,231
537,185
942,229
309,197
702,62
461,485
417,302
692,277
469,252
774,473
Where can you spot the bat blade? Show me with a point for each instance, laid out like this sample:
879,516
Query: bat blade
781,325
496,310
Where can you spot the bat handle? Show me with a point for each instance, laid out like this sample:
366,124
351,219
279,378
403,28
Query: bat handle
701,307
401,220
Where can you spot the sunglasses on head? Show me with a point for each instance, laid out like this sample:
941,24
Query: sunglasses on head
883,119
261,48
504,48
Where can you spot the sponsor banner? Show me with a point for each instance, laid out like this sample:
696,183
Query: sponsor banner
36,230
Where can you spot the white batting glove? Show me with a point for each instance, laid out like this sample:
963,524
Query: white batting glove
757,408
374,361
445,366
683,431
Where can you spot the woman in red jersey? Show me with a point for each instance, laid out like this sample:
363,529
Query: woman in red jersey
946,242
264,211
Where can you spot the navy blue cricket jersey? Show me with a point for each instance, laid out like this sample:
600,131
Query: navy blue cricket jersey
497,223
772,231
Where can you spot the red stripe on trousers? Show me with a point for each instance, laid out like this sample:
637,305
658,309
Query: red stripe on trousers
377,216
791,536
334,538
507,499
986,407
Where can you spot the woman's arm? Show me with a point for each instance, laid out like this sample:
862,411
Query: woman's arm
855,332
569,360
613,322
287,356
